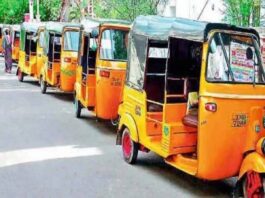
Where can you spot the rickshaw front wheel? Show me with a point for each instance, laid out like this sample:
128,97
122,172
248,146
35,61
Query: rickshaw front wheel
253,185
129,147
20,75
43,85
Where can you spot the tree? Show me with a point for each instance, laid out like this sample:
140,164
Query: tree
243,12
125,9
12,11
50,10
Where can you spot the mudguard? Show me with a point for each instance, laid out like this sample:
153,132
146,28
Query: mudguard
127,121
252,162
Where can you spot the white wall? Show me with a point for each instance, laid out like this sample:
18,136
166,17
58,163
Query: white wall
191,9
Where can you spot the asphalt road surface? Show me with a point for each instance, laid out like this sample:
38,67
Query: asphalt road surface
46,152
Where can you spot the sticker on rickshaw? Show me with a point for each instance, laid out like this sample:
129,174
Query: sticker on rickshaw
116,82
166,130
239,120
138,110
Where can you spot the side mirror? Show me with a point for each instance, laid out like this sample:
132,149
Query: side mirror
249,53
213,47
94,33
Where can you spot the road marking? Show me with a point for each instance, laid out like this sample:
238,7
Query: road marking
17,90
11,158
8,78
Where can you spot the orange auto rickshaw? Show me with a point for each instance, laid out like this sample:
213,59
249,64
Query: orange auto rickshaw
102,67
60,56
15,33
31,50
195,95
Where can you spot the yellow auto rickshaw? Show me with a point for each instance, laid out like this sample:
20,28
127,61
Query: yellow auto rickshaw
195,95
1,38
31,50
60,56
102,67
15,34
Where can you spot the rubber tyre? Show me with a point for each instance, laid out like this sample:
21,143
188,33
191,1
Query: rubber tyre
20,75
246,186
43,85
78,108
129,147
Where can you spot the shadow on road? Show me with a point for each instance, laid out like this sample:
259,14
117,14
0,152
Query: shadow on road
68,97
196,187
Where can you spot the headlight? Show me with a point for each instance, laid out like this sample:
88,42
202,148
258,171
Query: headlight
261,146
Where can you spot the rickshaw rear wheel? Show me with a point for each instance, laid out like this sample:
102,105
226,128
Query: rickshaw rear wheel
253,185
129,147
78,108
20,75
43,85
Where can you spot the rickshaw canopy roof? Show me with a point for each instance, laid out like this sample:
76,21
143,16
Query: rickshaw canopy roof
58,27
161,28
31,27
90,24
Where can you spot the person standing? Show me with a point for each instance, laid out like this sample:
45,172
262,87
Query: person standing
7,47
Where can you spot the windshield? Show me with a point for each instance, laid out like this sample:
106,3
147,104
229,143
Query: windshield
234,58
71,41
114,44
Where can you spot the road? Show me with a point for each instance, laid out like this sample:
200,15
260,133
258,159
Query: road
46,152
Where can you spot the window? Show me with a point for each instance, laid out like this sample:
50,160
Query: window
71,41
234,58
114,45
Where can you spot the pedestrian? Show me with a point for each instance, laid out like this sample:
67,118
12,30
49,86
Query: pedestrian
7,49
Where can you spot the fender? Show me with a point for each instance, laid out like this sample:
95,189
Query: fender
77,89
253,161
128,121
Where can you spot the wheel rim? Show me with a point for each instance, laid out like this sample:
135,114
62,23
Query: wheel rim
127,145
254,185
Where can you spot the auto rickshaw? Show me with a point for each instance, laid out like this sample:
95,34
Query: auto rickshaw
194,94
1,37
60,56
31,50
15,33
102,67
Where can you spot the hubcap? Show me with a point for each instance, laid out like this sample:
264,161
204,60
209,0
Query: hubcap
254,187
127,145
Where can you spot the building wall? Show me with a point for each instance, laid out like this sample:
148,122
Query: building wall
192,8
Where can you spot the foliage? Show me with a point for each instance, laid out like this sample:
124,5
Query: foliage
125,9
12,11
50,9
243,12
76,11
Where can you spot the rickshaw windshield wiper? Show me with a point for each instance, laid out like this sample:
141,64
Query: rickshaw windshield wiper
260,64
226,57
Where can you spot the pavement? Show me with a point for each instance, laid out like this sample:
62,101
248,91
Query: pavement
46,152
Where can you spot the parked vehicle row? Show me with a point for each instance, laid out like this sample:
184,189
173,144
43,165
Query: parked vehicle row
192,92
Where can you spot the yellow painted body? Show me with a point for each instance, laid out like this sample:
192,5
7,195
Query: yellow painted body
102,94
61,74
1,47
15,50
215,150
34,64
